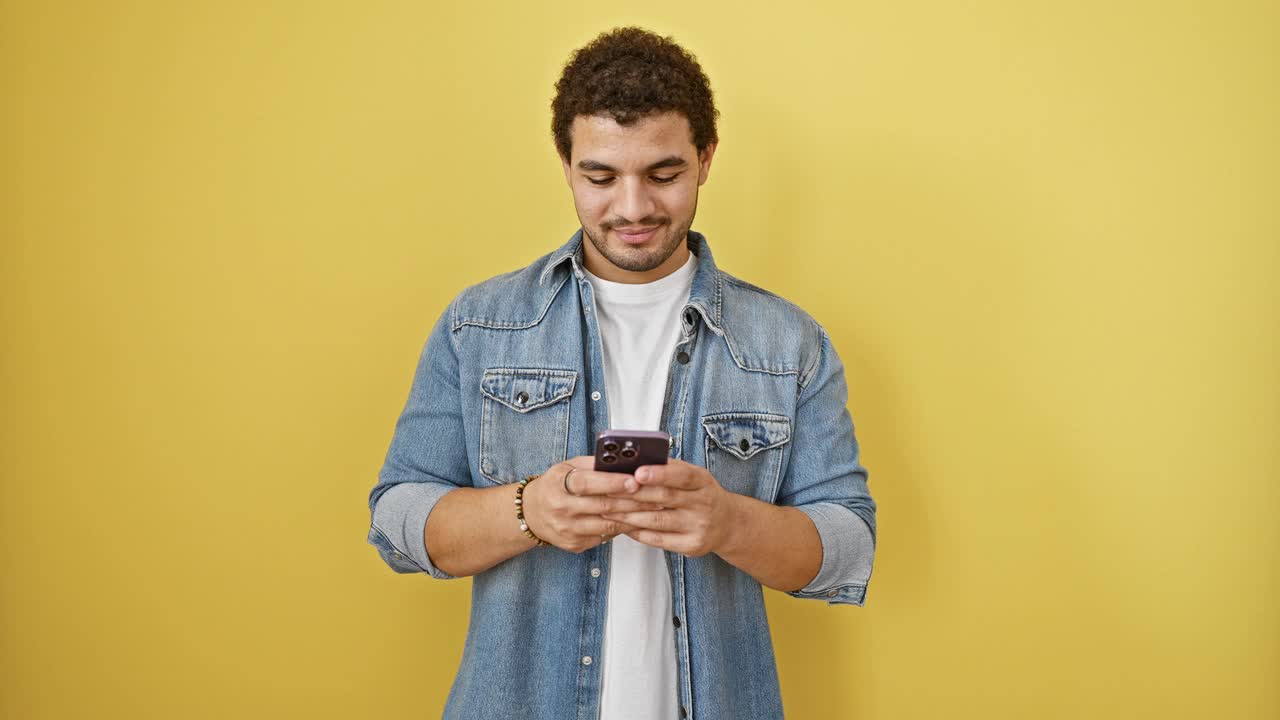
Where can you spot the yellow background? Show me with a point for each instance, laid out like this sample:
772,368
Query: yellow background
1044,237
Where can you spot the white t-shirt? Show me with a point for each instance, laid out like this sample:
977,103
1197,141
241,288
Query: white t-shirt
639,327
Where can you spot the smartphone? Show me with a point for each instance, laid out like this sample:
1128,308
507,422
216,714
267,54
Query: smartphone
625,450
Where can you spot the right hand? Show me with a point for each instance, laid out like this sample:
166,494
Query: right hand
572,522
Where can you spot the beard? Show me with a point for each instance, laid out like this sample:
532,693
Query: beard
637,259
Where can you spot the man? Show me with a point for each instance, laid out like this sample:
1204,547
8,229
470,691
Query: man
616,595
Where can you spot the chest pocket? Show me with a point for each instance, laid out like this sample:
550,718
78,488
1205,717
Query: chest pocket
524,423
744,451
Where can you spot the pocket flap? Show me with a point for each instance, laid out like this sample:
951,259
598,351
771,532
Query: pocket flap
525,389
744,434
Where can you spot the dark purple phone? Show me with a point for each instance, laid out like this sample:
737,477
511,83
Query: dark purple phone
625,450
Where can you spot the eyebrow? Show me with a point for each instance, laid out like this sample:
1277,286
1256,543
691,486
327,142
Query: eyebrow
594,165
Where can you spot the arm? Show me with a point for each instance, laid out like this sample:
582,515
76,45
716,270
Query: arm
427,469
474,529
778,546
824,479
818,542
426,462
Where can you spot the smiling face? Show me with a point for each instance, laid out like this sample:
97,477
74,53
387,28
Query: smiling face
635,189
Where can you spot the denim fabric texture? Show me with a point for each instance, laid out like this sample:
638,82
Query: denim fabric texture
511,381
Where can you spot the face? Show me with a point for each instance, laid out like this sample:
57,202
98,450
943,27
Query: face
636,191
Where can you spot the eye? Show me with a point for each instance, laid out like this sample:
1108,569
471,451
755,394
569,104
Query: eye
605,181
666,180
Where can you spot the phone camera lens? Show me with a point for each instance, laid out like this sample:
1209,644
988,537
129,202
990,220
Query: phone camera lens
611,446
628,452
608,457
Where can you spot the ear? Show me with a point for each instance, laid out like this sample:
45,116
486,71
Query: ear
704,161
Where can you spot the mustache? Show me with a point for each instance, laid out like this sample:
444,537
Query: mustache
647,222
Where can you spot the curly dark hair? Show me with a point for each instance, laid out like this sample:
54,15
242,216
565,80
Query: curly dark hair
628,73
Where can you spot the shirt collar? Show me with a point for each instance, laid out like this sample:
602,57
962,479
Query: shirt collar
704,293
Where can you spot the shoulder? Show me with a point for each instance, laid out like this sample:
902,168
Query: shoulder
767,332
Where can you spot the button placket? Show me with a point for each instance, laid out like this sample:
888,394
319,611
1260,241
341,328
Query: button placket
599,556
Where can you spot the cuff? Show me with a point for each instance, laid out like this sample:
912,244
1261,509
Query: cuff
848,550
399,522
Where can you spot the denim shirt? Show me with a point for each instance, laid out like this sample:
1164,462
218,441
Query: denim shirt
511,381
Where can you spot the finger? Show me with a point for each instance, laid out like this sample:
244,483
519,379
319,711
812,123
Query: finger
596,482
600,504
588,526
660,495
661,520
681,477
653,538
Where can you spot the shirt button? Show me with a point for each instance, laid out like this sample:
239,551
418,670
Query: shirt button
676,620
682,358
595,572
586,660
595,395
832,593
683,712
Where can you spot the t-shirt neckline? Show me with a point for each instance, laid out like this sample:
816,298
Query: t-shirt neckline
631,293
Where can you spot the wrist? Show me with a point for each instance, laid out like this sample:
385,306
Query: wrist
520,507
736,523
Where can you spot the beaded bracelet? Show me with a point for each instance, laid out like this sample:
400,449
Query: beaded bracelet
524,526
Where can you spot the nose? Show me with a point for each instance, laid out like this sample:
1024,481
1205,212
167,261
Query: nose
635,204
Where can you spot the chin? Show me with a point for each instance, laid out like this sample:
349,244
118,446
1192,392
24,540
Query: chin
634,258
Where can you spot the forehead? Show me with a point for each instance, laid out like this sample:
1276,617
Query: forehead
601,138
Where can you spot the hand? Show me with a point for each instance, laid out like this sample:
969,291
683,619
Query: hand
574,522
696,513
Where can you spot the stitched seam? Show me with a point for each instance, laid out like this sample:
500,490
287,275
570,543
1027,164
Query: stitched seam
750,415
823,592
719,418
742,365
733,351
395,547
552,263
484,431
684,404
772,481
534,372
487,408
501,325
453,322
823,341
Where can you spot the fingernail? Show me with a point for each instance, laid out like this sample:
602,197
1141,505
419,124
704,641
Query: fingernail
631,485
642,474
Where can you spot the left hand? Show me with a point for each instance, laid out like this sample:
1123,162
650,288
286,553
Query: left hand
697,513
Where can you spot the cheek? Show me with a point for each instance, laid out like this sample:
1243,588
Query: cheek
593,205
681,202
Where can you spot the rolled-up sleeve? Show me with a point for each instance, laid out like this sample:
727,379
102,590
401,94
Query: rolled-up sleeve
826,481
426,460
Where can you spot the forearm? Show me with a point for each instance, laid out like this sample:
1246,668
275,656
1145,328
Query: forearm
778,546
472,529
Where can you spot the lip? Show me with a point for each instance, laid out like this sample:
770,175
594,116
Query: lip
637,237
